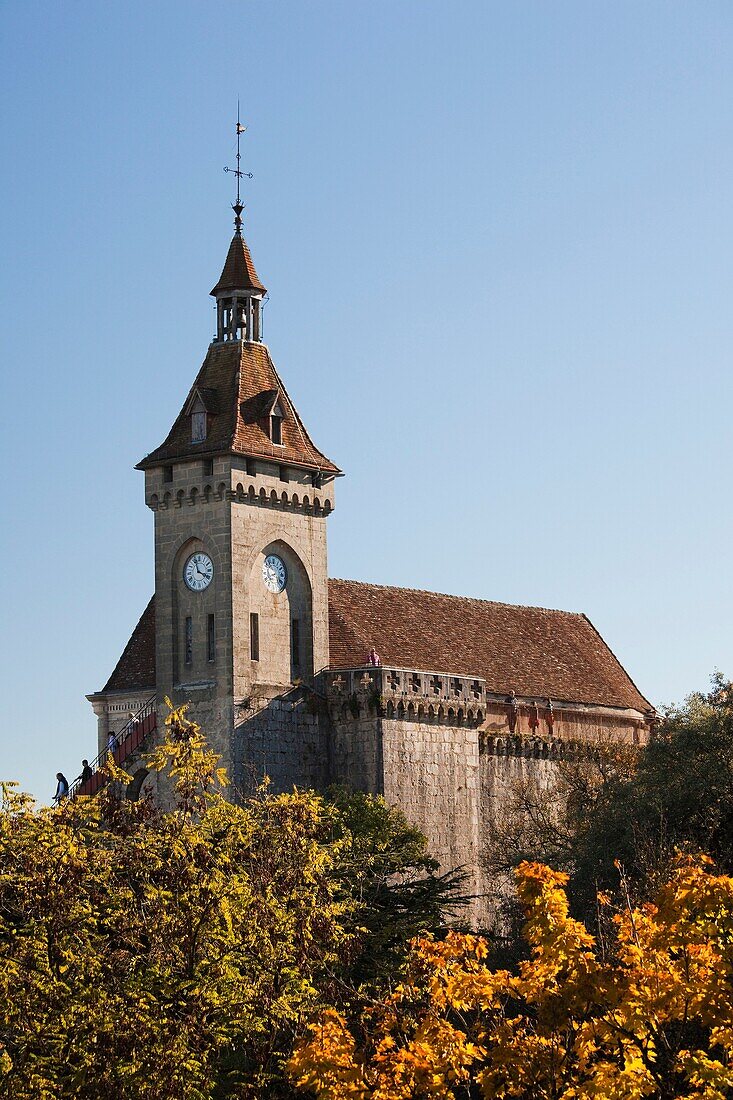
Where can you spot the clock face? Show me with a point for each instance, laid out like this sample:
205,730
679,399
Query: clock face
198,572
274,573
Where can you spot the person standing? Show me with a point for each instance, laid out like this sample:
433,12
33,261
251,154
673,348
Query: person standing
86,771
112,742
62,788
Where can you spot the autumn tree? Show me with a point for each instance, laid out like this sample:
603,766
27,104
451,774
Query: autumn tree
680,796
148,954
649,1015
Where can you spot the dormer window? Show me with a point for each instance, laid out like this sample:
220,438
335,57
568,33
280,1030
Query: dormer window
276,425
198,422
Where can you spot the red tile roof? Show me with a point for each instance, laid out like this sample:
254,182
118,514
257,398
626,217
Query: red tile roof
135,669
530,650
238,383
239,271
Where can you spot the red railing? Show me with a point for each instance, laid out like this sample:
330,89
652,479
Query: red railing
130,737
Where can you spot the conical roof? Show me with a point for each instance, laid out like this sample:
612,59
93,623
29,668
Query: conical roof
238,385
239,271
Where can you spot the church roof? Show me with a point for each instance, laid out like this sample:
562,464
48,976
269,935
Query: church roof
240,385
532,651
135,669
239,270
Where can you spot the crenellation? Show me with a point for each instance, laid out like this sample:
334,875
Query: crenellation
445,697
190,489
404,688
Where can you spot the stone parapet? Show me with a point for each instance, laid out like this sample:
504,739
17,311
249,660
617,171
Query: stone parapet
543,748
414,694
269,485
407,693
310,503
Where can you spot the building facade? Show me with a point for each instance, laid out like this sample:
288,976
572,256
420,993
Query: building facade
273,656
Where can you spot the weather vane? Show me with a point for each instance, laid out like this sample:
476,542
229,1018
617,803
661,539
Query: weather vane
237,206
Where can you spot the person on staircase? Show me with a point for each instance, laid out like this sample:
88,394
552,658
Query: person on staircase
62,788
86,772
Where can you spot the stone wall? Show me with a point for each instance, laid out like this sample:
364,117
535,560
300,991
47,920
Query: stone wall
192,512
282,736
501,775
449,753
356,756
431,772
427,769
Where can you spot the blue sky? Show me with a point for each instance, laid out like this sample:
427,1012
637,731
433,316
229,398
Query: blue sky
497,239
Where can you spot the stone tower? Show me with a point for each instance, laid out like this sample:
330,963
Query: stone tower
241,498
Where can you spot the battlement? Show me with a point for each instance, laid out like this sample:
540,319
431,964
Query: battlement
551,748
261,482
412,694
312,503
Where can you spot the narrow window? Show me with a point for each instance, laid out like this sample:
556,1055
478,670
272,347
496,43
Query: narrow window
251,467
167,474
254,636
198,426
211,639
284,475
208,467
295,642
189,641
276,430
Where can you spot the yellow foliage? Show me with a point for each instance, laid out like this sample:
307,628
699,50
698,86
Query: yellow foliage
151,955
654,1020
146,955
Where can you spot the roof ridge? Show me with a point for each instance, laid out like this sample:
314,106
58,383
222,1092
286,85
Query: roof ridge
467,599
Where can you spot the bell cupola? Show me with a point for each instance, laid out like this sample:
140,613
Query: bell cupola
239,293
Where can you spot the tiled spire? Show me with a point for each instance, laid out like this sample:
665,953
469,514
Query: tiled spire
239,271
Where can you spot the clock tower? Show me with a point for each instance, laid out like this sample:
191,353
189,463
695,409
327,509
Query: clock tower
441,704
241,497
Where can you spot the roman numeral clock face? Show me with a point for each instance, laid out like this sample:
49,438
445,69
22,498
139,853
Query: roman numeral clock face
198,572
274,573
